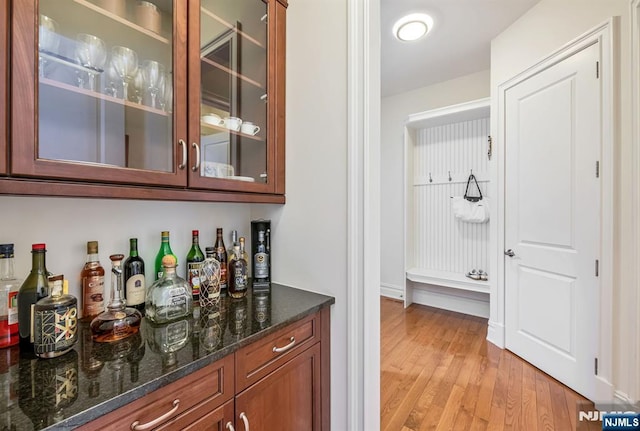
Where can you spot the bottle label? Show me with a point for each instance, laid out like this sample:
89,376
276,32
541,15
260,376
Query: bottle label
261,265
194,271
135,290
55,329
239,276
93,295
12,308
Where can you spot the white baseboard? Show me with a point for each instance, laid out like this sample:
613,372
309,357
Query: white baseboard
620,397
495,334
473,303
391,291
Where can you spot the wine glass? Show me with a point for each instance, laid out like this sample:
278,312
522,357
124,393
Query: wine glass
153,73
139,85
125,63
167,99
91,53
111,88
48,39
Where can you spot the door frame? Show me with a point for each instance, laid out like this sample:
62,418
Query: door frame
606,36
634,292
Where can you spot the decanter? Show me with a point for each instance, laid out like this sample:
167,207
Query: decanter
118,321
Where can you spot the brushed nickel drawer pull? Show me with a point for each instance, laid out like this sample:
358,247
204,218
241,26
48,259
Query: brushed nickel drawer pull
136,427
183,144
195,167
285,348
230,426
245,419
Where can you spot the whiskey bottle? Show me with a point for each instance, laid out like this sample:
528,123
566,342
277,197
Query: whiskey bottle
92,276
32,290
55,321
261,261
194,260
168,298
134,278
118,321
222,257
165,250
9,287
238,272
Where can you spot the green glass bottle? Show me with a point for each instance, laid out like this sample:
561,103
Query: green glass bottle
195,257
32,290
165,250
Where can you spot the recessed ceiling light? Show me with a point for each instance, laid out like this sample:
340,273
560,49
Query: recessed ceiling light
412,27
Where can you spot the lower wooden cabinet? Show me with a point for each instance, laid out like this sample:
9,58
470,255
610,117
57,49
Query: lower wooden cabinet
279,382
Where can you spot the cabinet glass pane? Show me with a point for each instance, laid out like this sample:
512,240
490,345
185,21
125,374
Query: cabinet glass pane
233,103
105,82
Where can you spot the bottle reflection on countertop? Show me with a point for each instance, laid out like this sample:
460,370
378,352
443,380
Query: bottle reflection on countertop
9,411
260,310
115,355
47,387
238,317
211,328
90,364
167,339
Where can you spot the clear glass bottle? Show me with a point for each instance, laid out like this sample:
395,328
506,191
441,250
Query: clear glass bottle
32,290
118,321
134,278
194,260
9,287
92,276
165,250
232,248
55,321
168,298
261,261
238,272
222,257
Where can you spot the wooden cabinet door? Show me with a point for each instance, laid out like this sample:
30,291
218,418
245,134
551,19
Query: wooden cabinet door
286,400
99,91
4,102
236,95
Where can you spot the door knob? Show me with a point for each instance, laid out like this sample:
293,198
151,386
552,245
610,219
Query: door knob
509,253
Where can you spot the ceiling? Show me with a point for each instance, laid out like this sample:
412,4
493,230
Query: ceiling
459,43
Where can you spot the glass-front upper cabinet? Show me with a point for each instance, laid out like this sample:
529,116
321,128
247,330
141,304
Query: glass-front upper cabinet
99,78
234,125
4,102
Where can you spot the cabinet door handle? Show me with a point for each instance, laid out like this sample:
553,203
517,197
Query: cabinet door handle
184,154
195,167
136,427
245,419
285,348
230,427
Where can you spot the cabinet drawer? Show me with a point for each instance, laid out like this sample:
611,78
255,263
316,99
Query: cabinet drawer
262,357
212,385
202,418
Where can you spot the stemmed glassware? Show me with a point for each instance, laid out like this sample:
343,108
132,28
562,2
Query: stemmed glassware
166,102
48,40
139,85
91,53
125,64
153,73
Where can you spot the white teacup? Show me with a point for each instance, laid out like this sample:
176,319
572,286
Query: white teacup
212,119
233,123
249,128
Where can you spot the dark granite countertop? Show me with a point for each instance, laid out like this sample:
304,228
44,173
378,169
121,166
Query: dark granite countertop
96,378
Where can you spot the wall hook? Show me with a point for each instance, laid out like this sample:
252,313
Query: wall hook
449,175
430,179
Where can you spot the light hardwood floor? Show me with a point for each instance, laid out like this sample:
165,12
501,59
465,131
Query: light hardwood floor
439,373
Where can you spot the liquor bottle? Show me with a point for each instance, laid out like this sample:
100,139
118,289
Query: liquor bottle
222,257
232,248
118,321
32,290
9,287
194,265
55,321
92,283
261,261
165,249
168,298
134,278
238,272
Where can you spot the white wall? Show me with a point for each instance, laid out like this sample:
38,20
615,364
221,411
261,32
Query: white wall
542,30
394,113
309,232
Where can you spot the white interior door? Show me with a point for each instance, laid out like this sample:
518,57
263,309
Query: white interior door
553,219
